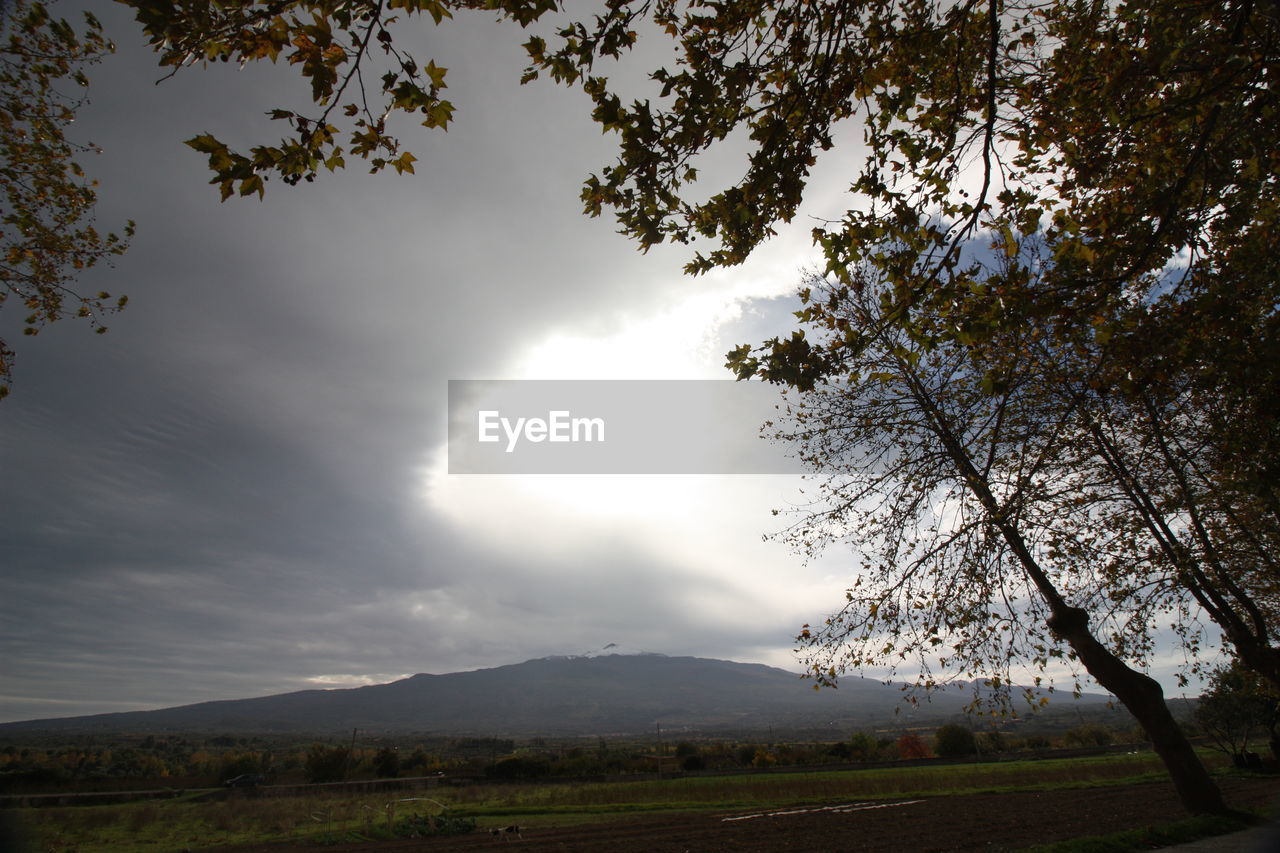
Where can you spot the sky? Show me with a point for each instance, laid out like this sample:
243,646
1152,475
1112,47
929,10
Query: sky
242,488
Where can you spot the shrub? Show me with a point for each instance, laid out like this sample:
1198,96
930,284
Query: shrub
953,741
840,750
238,764
422,826
386,764
863,747
911,746
1088,735
326,764
994,742
763,758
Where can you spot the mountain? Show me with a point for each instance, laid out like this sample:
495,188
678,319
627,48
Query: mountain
595,694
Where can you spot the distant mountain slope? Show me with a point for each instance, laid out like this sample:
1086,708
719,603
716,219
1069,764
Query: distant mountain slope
587,695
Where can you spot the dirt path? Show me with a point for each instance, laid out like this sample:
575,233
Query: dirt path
990,822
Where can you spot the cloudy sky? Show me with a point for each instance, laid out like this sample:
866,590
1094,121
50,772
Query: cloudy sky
242,488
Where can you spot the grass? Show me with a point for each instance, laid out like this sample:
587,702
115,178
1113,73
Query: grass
769,789
1152,837
190,822
164,825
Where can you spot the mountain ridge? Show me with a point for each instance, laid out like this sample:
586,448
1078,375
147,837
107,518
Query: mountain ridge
571,695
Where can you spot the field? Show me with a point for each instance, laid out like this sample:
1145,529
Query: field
1007,805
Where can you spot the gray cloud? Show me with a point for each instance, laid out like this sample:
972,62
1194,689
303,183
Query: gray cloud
223,496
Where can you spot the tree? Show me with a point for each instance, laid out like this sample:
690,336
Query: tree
46,226
911,746
386,763
992,742
1181,161
953,473
334,47
1163,475
327,763
1237,706
953,741
863,746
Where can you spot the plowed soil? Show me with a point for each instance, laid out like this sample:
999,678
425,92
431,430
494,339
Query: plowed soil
988,822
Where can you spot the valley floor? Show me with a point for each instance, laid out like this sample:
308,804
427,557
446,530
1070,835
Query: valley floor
970,822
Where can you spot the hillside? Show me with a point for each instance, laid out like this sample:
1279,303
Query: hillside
556,696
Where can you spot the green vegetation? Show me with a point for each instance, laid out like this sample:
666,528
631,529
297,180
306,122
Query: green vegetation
795,788
1088,735
61,763
952,741
386,764
327,763
96,763
195,820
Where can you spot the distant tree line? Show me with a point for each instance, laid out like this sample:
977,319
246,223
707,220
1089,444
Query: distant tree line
1235,716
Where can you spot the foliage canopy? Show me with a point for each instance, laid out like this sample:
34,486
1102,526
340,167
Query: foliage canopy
46,224
1107,141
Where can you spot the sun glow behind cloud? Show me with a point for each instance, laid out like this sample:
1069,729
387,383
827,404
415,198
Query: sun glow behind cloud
706,530
681,341
690,518
685,340
694,545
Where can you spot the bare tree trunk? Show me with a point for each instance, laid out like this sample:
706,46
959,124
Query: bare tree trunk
1144,698
1140,694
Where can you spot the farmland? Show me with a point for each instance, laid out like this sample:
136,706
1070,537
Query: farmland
1018,802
